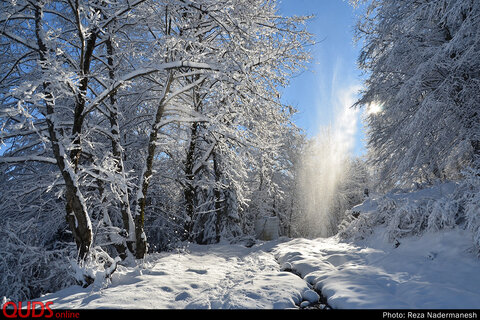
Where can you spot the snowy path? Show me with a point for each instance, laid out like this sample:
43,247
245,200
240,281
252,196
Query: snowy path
217,277
433,271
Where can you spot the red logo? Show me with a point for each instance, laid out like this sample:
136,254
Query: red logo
35,309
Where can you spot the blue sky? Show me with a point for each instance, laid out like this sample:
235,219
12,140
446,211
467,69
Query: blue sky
333,79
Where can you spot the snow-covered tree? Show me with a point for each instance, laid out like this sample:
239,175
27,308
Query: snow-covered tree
136,118
241,113
422,89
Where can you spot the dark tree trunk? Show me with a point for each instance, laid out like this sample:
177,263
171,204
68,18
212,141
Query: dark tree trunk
189,188
76,211
220,207
140,237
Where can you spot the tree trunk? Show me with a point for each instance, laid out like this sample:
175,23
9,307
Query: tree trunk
189,188
220,206
76,211
117,152
141,201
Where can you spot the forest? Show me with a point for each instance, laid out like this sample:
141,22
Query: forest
132,127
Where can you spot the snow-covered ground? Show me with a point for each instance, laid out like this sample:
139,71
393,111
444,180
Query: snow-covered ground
436,270
213,276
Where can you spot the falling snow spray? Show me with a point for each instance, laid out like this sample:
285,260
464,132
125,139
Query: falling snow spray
324,164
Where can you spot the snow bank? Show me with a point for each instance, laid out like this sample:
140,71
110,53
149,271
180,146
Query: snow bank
435,270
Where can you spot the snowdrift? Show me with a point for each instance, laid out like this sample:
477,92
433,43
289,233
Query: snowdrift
432,271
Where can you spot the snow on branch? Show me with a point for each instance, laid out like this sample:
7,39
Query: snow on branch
20,40
144,72
27,159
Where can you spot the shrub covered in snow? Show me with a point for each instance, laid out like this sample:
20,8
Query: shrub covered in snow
441,206
28,269
468,195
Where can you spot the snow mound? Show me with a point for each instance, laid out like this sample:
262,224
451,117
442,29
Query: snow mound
436,270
